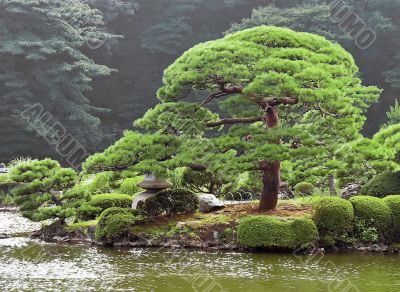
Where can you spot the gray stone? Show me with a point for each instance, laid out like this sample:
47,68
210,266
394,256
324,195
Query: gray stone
351,190
209,202
284,192
189,224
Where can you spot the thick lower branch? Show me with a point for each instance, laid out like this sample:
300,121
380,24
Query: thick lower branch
279,101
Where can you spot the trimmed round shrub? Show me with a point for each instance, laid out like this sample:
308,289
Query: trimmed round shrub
106,201
304,189
114,223
270,232
304,231
393,202
334,216
171,202
372,213
382,185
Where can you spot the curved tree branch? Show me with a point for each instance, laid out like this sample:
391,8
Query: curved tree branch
223,92
232,121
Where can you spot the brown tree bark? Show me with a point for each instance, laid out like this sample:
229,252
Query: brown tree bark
332,185
271,170
271,181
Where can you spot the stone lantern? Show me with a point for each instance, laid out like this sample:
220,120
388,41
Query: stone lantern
152,185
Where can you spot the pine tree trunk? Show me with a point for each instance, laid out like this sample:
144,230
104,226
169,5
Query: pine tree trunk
271,183
332,185
271,169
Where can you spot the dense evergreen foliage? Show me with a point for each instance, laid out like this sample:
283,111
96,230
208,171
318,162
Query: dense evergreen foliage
302,87
155,33
43,62
38,193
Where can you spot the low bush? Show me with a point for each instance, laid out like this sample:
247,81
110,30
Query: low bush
113,223
106,201
393,202
382,185
171,202
334,217
304,189
270,232
372,212
88,212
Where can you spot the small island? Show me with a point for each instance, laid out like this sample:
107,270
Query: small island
295,105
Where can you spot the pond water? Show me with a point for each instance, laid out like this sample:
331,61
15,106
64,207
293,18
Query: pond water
29,265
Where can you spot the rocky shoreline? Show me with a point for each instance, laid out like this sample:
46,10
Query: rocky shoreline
57,233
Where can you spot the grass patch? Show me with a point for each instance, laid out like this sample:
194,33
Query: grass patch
311,200
80,225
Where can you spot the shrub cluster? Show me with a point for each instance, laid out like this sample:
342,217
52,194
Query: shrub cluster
334,217
171,202
372,212
382,185
99,203
304,189
114,223
270,232
106,201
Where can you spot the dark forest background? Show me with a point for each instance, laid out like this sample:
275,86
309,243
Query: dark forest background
44,58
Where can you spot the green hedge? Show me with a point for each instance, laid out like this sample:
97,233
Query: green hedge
393,203
270,232
114,223
382,185
334,217
106,201
98,203
373,212
171,202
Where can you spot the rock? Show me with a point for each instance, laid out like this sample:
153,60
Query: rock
351,190
189,224
180,225
284,192
4,236
194,224
209,202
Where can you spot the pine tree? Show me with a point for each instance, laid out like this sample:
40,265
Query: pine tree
393,115
41,47
378,62
296,91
